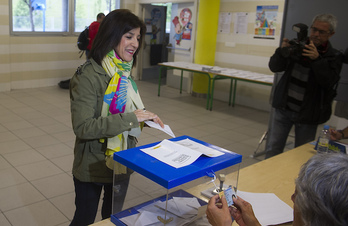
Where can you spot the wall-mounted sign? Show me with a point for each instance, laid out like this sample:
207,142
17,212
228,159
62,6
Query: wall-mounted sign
266,21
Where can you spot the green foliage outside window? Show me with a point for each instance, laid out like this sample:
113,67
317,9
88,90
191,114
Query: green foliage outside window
53,15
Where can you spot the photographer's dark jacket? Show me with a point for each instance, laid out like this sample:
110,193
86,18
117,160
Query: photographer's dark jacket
320,88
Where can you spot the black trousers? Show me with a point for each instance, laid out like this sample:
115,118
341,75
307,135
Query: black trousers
87,195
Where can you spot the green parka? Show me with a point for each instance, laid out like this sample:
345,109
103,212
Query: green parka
87,88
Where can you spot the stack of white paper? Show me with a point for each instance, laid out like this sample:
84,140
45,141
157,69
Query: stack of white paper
182,210
268,208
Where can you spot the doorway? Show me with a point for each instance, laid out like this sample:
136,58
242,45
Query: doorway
156,40
167,17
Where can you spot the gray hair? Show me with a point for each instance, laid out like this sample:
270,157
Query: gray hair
327,18
322,190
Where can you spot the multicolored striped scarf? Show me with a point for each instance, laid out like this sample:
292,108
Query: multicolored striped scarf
121,96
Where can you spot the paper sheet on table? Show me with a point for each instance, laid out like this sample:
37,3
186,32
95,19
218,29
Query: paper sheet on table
180,206
166,128
268,208
180,153
189,202
148,216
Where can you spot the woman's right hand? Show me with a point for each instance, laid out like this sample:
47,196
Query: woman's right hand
144,115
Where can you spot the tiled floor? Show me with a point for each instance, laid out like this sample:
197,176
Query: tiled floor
36,147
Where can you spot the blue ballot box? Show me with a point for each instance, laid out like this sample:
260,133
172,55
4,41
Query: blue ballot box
169,176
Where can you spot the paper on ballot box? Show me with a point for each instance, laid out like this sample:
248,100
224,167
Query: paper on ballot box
181,153
210,152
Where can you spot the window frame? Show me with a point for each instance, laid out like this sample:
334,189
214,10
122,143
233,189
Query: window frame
70,18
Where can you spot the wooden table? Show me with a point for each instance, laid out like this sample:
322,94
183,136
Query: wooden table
274,175
214,73
277,174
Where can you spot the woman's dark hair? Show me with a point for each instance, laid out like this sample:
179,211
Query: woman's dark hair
112,28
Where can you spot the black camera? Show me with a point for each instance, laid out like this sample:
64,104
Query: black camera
297,44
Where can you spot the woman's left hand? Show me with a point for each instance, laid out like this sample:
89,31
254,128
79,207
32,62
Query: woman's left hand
218,212
144,115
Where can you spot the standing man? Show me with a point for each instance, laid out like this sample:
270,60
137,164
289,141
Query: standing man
93,29
304,94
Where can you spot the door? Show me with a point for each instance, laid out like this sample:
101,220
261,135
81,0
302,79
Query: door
182,51
154,46
181,42
181,32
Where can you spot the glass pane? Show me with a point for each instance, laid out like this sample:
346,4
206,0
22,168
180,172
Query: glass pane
169,14
40,15
86,11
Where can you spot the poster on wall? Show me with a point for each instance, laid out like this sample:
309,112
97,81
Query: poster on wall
224,22
183,26
266,21
241,23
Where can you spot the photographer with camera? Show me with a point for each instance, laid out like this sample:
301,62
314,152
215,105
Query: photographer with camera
304,94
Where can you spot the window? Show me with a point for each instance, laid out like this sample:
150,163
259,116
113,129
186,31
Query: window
169,14
39,16
56,16
86,11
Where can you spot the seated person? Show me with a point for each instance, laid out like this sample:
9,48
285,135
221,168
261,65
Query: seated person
320,197
338,134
